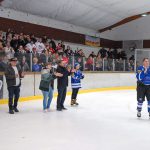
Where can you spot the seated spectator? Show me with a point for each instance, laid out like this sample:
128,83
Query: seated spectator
36,67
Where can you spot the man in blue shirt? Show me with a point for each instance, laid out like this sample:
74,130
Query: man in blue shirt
143,86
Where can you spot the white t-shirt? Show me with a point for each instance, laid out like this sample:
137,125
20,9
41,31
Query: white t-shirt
16,73
40,47
30,46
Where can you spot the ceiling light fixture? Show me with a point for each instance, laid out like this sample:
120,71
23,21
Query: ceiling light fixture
144,15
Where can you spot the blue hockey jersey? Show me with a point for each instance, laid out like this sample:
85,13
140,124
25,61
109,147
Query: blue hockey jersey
143,76
76,79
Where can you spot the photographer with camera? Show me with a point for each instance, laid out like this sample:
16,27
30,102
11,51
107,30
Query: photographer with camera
47,85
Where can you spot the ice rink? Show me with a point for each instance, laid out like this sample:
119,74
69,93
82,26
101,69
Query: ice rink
103,121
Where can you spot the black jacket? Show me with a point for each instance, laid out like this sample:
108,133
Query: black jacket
10,76
62,81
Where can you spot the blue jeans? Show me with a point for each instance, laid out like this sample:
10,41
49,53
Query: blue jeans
47,98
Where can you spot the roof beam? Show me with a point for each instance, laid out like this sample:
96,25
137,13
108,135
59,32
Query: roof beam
124,21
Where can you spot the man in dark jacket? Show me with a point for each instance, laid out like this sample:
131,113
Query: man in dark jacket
62,83
13,78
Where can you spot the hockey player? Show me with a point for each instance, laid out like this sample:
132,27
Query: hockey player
143,86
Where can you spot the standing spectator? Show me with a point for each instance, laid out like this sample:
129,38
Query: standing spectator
27,39
14,43
110,59
103,52
20,53
13,78
33,38
51,49
115,53
65,58
53,44
92,55
36,67
9,51
80,53
44,39
47,85
62,84
21,41
89,63
76,83
63,45
123,55
3,63
68,51
30,46
99,63
24,65
110,54
40,47
59,49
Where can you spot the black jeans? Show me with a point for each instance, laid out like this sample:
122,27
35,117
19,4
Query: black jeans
14,94
74,93
61,97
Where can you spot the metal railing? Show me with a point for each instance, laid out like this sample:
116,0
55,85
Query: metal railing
33,62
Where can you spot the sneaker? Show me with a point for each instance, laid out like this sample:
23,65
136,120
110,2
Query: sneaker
139,114
45,110
48,110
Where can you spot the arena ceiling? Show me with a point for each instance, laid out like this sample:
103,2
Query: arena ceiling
94,14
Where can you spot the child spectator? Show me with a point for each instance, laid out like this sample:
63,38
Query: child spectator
76,83
36,67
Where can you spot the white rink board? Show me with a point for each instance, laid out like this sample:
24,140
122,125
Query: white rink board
91,81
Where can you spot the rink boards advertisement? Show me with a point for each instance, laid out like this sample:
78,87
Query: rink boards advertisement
1,87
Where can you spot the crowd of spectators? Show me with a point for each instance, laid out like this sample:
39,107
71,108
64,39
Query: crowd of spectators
33,52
